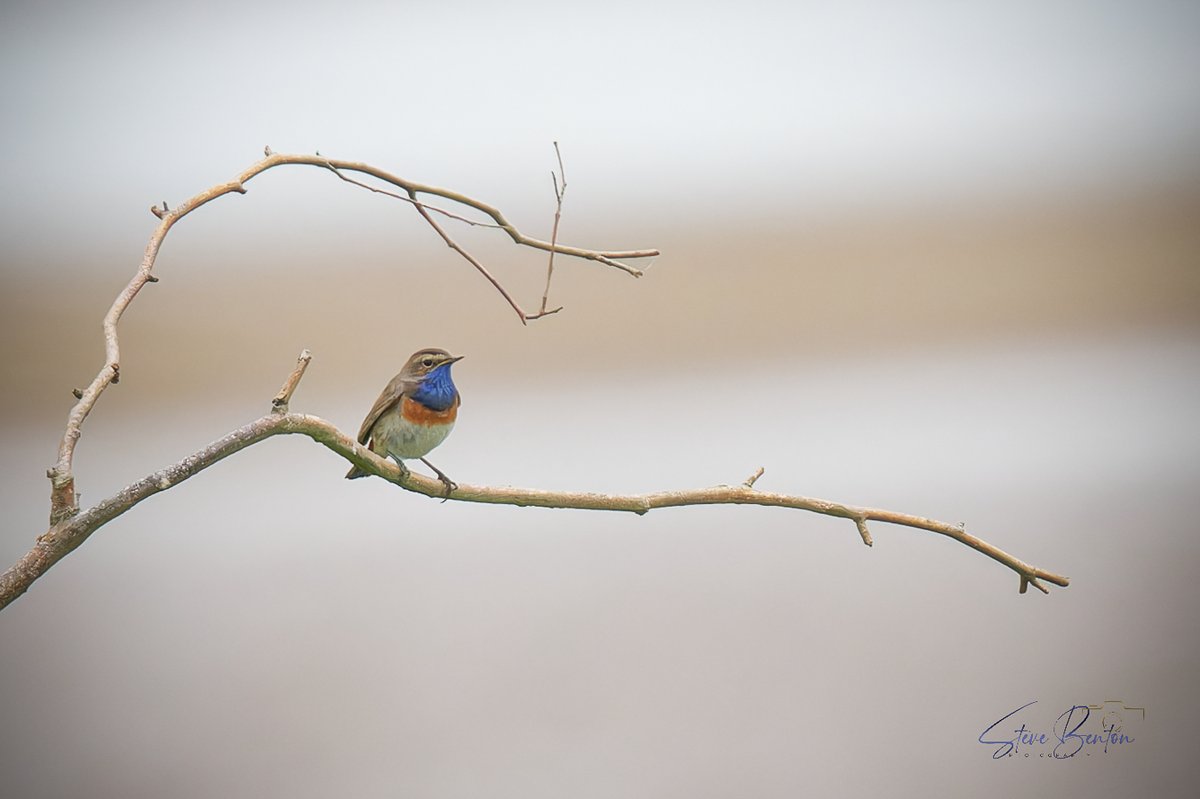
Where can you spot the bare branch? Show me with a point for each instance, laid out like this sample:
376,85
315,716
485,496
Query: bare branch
69,533
416,203
611,258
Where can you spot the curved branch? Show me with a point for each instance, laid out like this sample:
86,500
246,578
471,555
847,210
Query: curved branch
63,501
64,536
611,258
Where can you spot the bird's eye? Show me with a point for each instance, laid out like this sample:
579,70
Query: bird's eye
428,362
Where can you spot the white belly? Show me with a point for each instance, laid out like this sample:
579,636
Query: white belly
402,439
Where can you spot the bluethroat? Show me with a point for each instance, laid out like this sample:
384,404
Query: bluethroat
415,412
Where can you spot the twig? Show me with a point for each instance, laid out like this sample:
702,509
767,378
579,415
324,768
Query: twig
68,533
752,479
861,523
454,245
414,202
281,400
560,190
63,500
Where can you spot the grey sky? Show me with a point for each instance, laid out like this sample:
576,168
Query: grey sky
820,105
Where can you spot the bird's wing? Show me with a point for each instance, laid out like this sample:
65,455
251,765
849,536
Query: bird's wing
390,396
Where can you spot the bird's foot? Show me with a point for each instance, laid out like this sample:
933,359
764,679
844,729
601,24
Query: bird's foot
446,481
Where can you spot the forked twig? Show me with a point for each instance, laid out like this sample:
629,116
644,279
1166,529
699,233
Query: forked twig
560,190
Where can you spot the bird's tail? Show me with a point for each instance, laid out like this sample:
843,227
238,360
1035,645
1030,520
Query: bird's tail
355,473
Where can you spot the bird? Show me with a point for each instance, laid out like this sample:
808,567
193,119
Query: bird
415,413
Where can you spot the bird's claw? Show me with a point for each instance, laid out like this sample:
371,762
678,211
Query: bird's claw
441,476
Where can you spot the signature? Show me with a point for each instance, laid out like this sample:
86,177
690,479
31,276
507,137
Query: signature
1066,738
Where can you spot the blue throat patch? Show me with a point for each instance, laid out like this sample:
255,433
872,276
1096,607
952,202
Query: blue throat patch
437,391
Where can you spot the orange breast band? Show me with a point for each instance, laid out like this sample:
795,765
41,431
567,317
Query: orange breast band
415,412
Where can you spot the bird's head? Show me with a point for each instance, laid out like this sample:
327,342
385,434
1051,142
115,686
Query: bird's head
425,363
430,370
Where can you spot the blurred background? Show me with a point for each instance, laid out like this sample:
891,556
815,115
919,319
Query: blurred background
941,258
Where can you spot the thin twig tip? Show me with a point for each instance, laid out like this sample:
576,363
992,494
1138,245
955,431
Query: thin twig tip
752,479
861,524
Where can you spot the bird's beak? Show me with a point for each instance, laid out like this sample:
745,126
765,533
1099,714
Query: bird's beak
455,359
